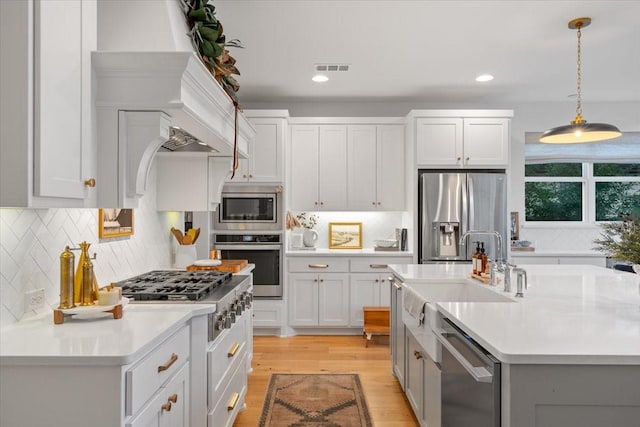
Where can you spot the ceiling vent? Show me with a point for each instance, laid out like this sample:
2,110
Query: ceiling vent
331,67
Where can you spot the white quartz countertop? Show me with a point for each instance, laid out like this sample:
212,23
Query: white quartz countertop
570,314
96,341
368,252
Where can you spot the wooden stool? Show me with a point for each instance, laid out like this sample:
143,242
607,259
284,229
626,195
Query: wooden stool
376,322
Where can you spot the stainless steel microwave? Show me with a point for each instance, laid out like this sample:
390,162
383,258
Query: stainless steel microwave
255,207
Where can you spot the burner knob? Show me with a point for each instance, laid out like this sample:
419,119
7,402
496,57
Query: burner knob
232,315
220,323
239,308
228,321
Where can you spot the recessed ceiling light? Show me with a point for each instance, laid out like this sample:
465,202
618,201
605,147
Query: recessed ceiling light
319,78
484,78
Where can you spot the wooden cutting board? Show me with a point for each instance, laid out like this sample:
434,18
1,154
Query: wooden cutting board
232,265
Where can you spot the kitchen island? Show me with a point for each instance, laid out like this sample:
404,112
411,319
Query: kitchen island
569,350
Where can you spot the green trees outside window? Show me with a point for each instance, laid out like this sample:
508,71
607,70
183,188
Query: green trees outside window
568,191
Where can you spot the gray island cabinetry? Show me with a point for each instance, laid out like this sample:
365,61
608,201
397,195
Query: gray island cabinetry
566,354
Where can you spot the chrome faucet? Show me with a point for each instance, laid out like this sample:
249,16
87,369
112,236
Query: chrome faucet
521,276
506,268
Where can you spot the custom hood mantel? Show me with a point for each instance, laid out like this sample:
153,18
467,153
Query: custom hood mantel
149,81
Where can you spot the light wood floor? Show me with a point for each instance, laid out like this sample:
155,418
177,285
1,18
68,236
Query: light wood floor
307,354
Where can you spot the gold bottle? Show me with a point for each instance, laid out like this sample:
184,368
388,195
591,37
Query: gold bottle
88,291
67,262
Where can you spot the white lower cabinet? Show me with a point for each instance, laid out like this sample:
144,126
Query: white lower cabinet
169,407
227,372
331,291
422,383
318,299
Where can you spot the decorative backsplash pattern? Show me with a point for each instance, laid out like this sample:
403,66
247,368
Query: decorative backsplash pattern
31,241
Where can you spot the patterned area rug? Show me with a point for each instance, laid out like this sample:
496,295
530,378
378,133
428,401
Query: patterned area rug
315,400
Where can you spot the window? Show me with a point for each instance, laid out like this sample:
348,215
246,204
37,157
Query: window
578,192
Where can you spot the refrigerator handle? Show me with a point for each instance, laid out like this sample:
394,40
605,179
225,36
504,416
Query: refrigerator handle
464,217
470,205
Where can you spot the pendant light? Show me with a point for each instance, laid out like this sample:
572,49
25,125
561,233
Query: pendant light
579,130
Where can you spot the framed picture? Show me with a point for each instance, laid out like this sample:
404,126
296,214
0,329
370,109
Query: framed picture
345,235
115,223
515,226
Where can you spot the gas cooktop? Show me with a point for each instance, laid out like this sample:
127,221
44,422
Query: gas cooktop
172,285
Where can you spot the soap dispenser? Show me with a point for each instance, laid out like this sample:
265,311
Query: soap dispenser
475,259
483,259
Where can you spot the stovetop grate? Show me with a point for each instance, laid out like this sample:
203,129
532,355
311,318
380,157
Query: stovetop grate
163,285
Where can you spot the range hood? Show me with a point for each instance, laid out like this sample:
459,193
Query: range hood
153,94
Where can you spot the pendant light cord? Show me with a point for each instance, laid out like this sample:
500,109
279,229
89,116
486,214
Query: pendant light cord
579,79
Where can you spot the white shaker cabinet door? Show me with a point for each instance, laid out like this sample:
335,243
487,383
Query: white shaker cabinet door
303,161
303,299
362,167
333,299
390,174
486,142
332,167
439,142
364,292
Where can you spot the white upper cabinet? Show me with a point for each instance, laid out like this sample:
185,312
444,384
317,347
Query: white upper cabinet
376,166
266,151
318,167
48,138
462,138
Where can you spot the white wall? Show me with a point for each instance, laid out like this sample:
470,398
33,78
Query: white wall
31,241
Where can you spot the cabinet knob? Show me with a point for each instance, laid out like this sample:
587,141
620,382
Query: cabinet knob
166,407
315,203
173,398
244,176
459,158
91,182
250,176
417,354
321,280
467,159
373,203
379,203
321,203
376,280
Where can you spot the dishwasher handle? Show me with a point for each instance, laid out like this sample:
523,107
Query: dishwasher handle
480,374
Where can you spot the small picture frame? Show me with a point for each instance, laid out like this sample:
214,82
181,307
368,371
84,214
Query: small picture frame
515,226
345,235
115,223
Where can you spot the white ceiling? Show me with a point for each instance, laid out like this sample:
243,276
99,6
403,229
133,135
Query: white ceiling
425,50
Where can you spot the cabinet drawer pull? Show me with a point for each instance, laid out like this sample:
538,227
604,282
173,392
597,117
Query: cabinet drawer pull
231,404
378,265
166,407
167,365
417,354
397,285
318,265
233,350
173,398
91,182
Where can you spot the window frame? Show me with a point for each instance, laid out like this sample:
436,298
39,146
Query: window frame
588,181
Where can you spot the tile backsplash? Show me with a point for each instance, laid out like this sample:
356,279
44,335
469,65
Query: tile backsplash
31,241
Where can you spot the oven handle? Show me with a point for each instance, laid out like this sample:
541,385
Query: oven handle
480,374
257,247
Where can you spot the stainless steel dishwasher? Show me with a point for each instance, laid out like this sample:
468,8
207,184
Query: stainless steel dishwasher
470,381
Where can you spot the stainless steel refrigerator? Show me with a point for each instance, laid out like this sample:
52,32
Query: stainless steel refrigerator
454,202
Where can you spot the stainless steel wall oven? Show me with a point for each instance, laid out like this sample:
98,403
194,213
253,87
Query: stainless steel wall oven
263,250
